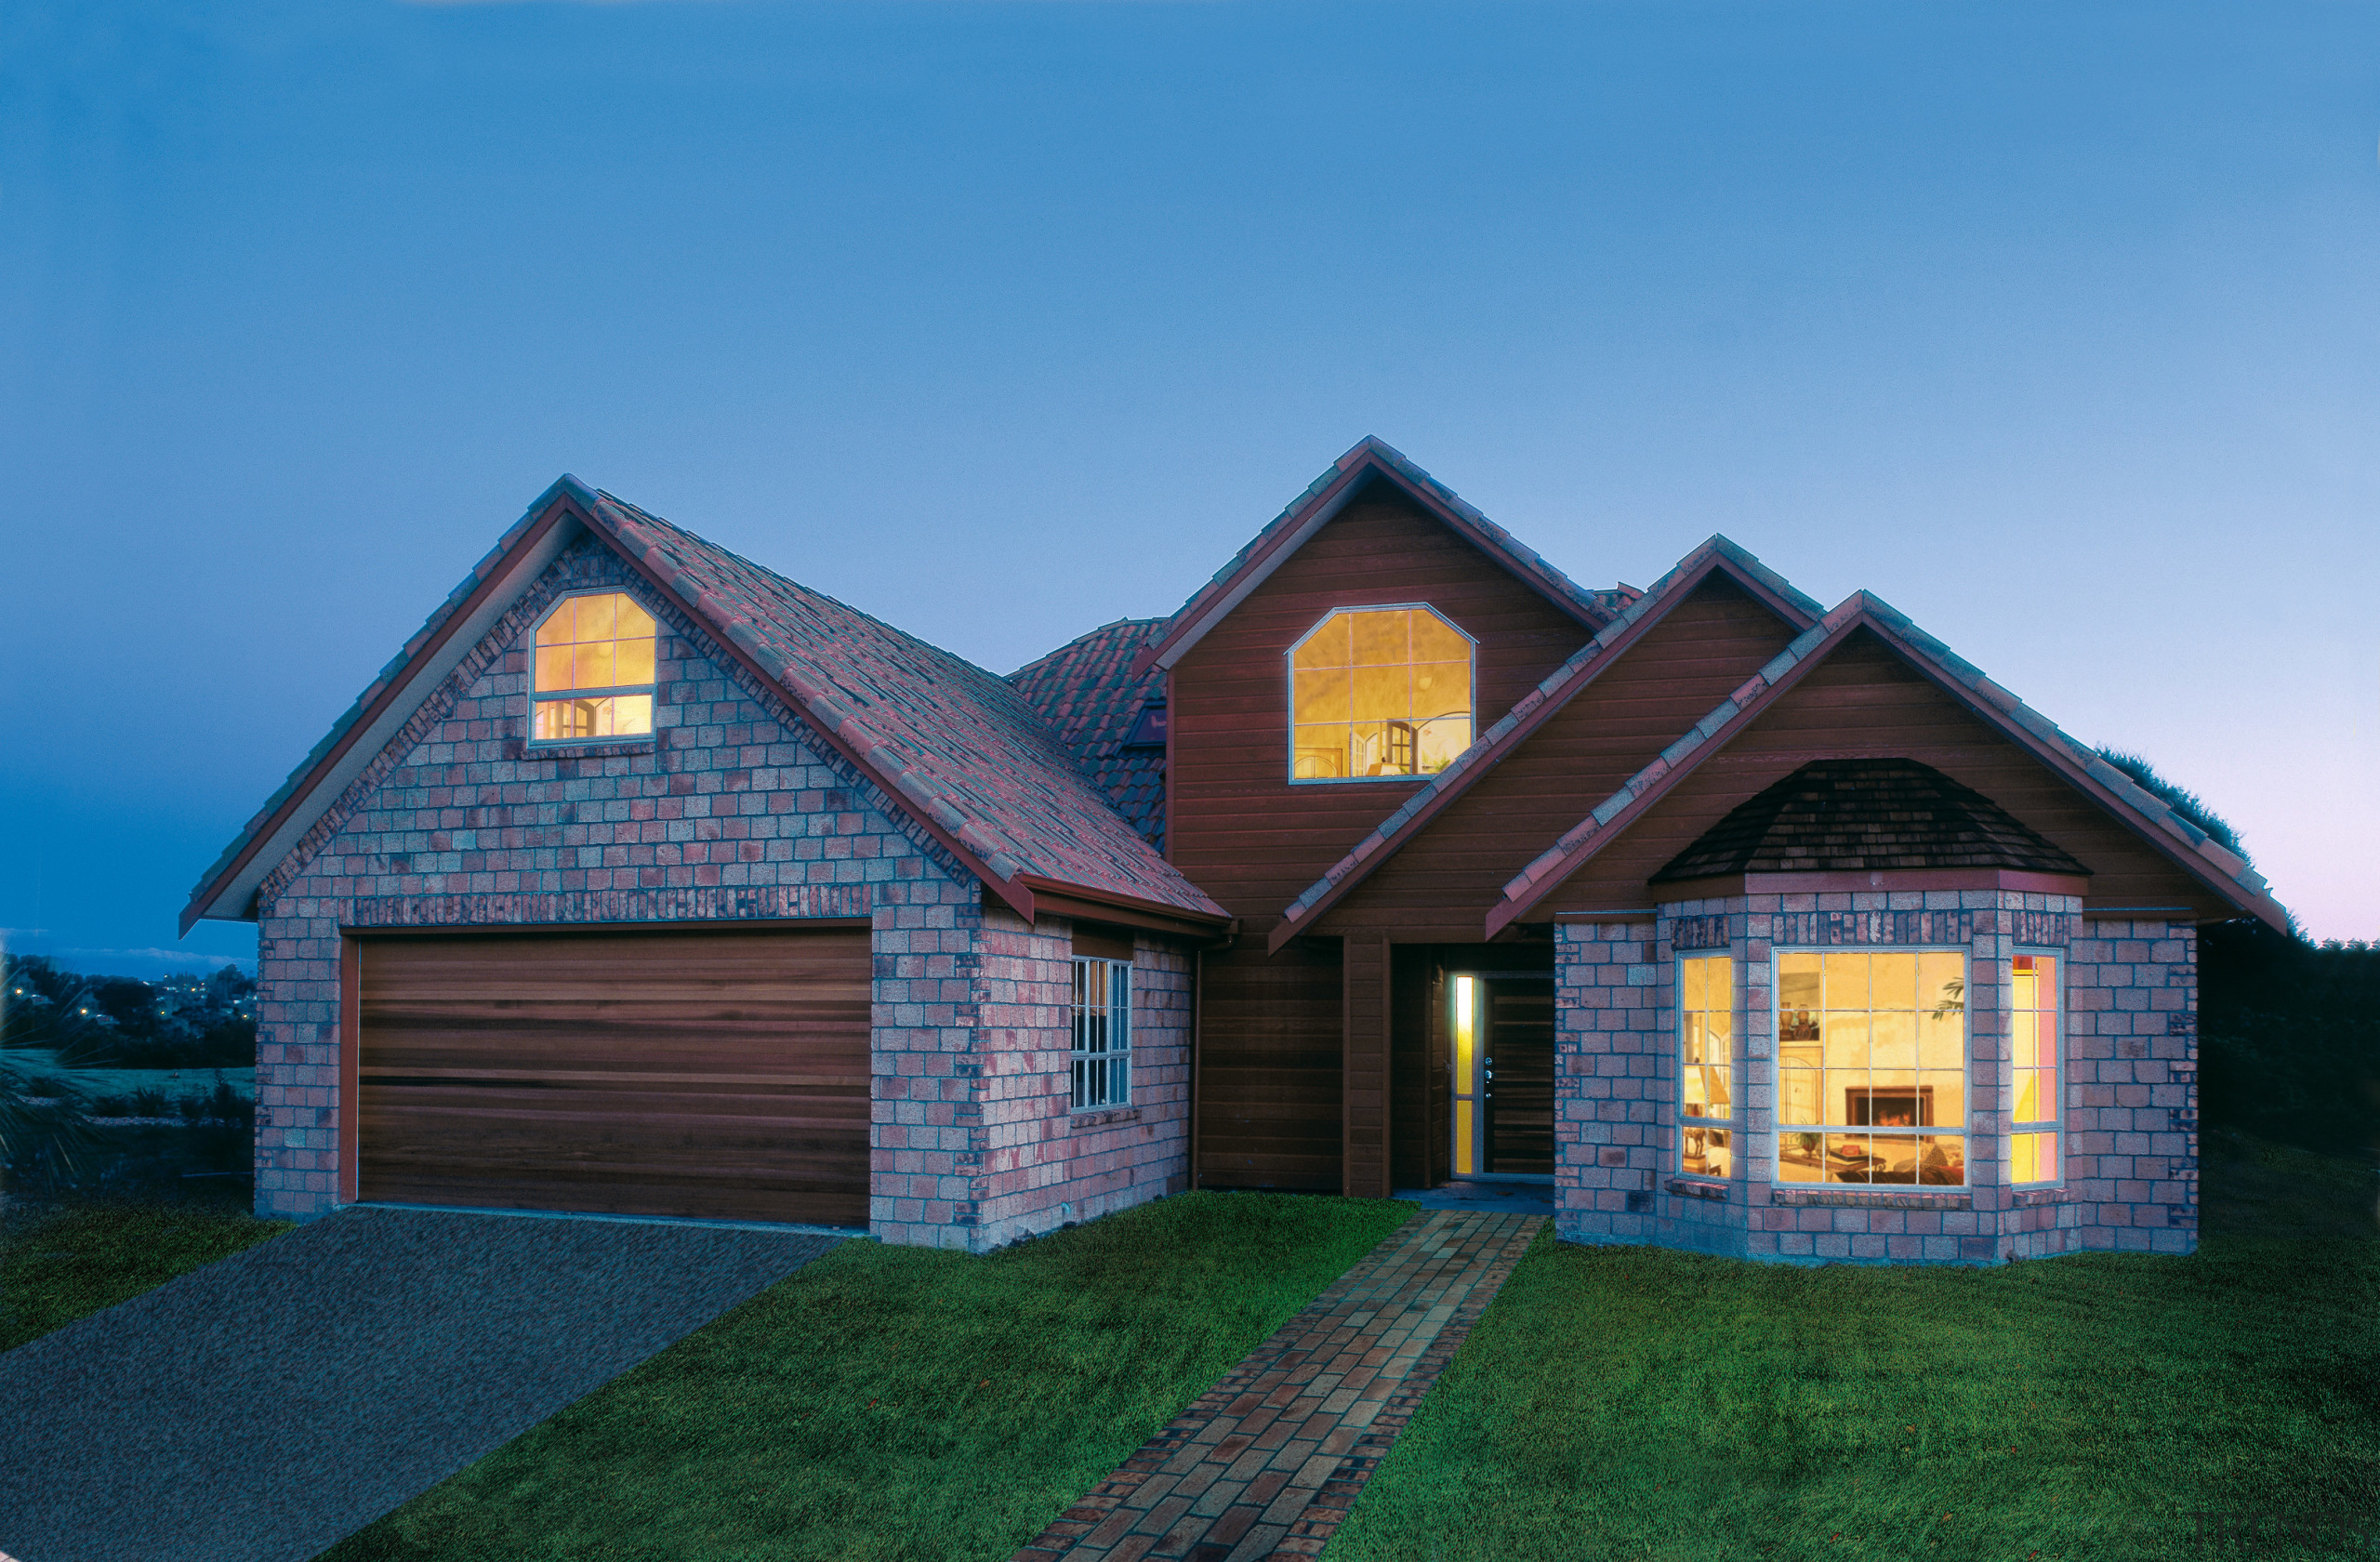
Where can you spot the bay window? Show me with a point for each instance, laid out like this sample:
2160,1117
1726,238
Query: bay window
2032,1059
1871,1066
1706,1006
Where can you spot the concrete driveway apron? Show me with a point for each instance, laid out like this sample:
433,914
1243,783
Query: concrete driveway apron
271,1404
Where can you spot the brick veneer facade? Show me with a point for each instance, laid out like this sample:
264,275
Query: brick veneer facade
735,809
2129,1173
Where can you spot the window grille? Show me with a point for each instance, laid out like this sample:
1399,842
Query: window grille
1103,1033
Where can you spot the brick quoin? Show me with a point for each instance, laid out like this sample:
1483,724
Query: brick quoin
735,809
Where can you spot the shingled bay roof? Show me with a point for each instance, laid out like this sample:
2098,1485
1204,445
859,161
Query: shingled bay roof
1085,692
956,746
1853,814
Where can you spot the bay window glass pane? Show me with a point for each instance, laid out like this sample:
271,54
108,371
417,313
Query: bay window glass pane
1846,981
1942,1160
1801,1158
1797,983
1895,1157
1797,1095
2032,1104
1706,1153
1846,1158
1893,981
1893,1100
1892,1038
1941,1039
1846,1095
1941,983
1846,1039
1944,1092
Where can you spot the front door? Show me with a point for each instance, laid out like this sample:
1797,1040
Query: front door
1516,1077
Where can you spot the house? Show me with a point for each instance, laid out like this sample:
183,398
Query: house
645,881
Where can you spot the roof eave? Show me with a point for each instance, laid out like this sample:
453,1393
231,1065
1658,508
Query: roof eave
2031,732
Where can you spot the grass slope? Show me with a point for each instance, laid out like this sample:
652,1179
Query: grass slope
899,1403
68,1262
1637,1403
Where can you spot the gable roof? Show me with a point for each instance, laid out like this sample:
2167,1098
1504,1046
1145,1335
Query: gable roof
954,745
1324,498
1088,696
2182,842
1855,815
1642,611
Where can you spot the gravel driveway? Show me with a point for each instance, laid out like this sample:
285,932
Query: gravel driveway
270,1404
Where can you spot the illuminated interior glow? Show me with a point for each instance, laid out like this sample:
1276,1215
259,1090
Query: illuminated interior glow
1378,692
1871,1066
1466,1077
2033,1061
594,671
1706,1007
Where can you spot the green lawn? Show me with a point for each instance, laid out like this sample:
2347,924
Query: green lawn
1633,1403
895,1402
74,1260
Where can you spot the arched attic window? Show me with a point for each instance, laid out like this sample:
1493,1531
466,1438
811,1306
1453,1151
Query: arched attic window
593,676
1379,692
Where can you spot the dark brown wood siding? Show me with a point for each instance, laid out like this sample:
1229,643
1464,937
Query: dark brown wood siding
1365,968
1238,829
1421,1092
1269,1067
1442,884
715,1074
1865,700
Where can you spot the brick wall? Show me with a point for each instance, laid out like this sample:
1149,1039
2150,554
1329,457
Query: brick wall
2131,1050
1607,1045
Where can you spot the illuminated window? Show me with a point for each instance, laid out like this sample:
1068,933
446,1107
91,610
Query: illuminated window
1378,692
1706,1023
594,671
2032,1060
1103,1033
1871,1066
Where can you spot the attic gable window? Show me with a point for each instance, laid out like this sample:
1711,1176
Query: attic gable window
594,670
1379,692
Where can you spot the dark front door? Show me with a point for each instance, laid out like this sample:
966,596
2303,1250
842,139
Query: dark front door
1518,1082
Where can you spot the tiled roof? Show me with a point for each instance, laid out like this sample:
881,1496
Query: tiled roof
1638,608
2241,884
953,742
1087,694
1595,608
1852,814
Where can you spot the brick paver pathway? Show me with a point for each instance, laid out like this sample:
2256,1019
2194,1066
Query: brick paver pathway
1268,1461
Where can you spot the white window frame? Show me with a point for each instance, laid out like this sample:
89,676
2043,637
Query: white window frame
1779,1127
2054,1125
541,696
1100,1056
1290,693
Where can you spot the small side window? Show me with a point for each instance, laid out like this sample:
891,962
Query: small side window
594,670
1103,1033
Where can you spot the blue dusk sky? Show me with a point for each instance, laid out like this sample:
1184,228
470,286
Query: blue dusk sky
2055,326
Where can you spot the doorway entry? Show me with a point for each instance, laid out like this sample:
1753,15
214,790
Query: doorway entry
1502,1067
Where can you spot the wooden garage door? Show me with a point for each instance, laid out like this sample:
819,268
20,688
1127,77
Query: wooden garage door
714,1074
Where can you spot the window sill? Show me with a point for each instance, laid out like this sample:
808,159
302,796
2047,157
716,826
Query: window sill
1103,1116
2030,1197
598,749
1692,1188
1872,1198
